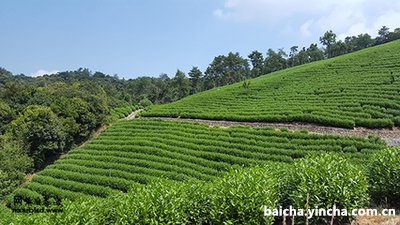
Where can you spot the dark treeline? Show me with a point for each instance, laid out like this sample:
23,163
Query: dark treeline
45,116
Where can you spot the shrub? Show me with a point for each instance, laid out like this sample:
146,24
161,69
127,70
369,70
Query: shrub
6,216
145,102
26,196
384,176
238,198
241,195
351,149
156,203
324,181
396,121
375,123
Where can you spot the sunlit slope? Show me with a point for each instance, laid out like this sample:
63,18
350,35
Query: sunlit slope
357,89
142,150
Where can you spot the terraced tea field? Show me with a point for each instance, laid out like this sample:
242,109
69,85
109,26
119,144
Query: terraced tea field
357,89
141,150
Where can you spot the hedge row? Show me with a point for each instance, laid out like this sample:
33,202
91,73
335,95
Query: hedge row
143,150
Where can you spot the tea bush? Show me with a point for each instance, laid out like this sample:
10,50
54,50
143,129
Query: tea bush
144,150
384,177
322,181
237,198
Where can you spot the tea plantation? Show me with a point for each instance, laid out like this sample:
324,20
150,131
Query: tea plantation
143,150
155,171
357,89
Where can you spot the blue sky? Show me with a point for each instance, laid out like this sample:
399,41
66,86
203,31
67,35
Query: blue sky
134,38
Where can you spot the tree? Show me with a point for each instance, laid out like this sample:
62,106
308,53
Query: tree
41,133
257,62
293,51
76,117
338,48
302,57
145,102
163,90
395,35
226,70
180,85
383,35
4,76
356,43
274,61
293,59
16,95
195,78
314,53
6,115
328,40
14,163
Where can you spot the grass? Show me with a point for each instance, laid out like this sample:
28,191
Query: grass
357,89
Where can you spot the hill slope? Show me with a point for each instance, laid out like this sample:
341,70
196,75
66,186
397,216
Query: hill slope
141,150
357,89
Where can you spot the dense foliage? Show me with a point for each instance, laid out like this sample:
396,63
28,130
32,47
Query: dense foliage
14,162
326,181
143,150
40,131
238,197
358,89
384,177
44,117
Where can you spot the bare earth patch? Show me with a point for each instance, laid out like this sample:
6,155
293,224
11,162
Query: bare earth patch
28,179
377,220
133,114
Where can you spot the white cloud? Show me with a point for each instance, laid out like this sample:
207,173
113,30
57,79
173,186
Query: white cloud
43,72
390,19
305,28
313,17
218,13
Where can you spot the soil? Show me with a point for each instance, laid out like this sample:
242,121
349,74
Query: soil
377,220
133,114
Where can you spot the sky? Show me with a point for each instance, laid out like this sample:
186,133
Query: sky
134,38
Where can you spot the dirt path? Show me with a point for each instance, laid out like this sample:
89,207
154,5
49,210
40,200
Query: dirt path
391,136
133,114
373,220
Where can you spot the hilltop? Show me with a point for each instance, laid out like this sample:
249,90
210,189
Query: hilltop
357,89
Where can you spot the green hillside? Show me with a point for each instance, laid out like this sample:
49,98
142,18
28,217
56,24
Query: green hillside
143,150
357,89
